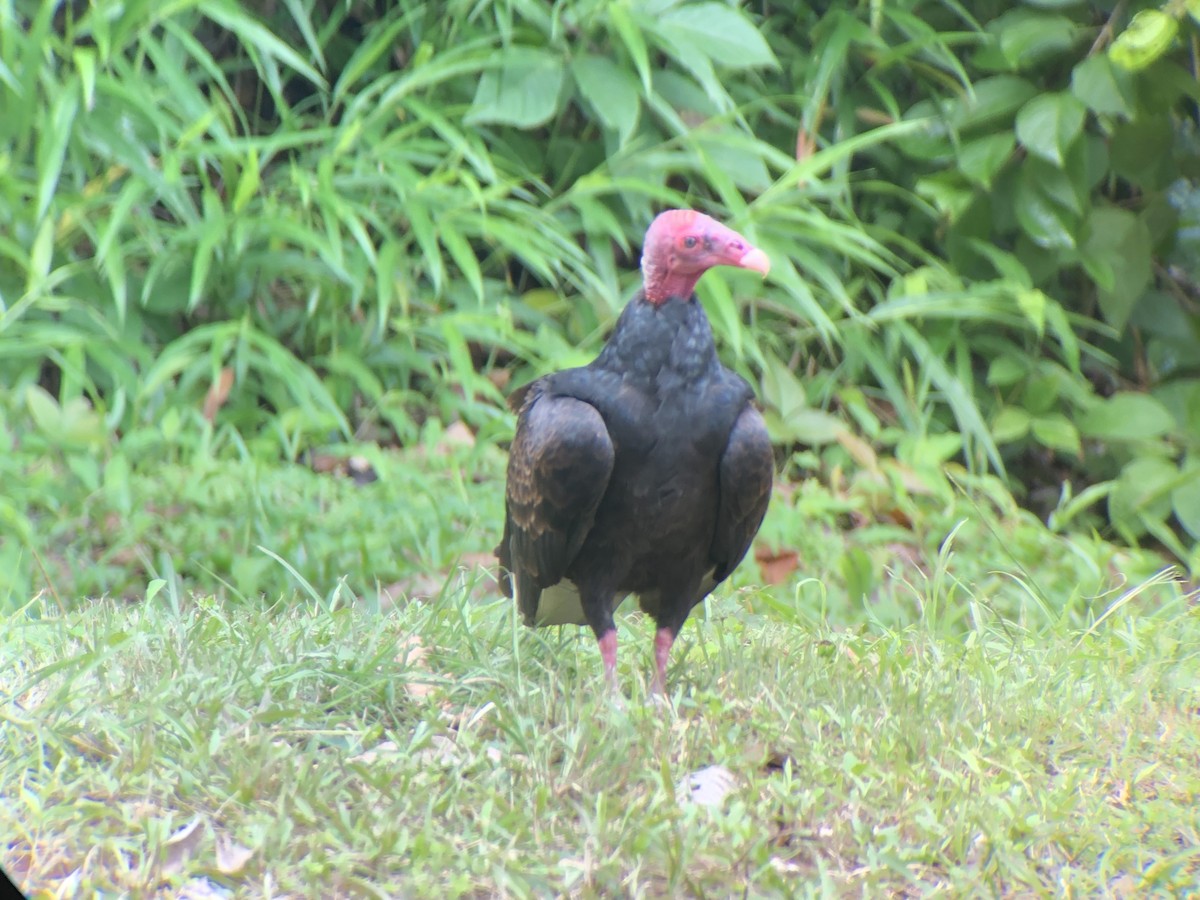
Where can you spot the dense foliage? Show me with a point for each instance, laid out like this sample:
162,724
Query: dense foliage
255,228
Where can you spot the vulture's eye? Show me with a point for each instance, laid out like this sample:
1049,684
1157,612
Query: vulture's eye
689,242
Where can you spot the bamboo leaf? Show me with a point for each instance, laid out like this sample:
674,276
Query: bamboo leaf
52,146
522,89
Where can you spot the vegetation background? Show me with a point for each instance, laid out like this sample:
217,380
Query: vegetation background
247,248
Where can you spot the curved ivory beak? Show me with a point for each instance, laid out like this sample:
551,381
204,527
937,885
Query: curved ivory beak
757,261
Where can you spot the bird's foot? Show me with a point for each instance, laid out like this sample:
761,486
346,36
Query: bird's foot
608,654
663,640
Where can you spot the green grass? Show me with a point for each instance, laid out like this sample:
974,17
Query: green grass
442,749
940,697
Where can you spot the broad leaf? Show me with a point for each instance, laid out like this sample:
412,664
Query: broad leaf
1028,38
1126,417
1005,371
1049,124
723,34
1141,150
993,100
1185,500
522,90
1056,432
983,157
1143,493
610,90
1105,88
1046,207
948,191
1011,424
1119,241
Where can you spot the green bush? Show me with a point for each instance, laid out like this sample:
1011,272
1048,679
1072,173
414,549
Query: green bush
247,229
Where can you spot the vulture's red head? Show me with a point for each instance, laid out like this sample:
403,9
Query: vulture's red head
681,245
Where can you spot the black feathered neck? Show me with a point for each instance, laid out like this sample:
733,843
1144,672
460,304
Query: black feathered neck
667,343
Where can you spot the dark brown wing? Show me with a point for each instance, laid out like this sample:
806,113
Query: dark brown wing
746,472
558,469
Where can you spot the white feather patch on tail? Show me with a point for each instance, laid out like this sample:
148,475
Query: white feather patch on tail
560,605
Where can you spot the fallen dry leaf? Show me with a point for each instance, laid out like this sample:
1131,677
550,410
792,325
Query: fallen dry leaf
441,751
180,846
860,451
218,393
805,145
419,586
412,656
386,748
457,434
478,559
201,889
708,786
776,566
874,117
231,856
412,651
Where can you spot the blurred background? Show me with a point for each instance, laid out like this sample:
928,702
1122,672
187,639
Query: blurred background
268,271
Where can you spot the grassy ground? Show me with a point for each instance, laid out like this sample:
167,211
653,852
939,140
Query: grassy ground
956,731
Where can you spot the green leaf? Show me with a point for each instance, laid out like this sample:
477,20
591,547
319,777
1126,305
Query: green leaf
948,191
1182,397
1185,500
421,224
1033,303
1056,432
85,64
248,183
53,135
464,257
1005,371
1049,124
781,388
41,256
992,101
1147,38
1103,87
813,426
610,90
1041,394
44,411
631,37
1028,38
1127,417
983,157
1044,203
725,35
257,37
1011,424
522,90
1143,492
1141,150
1117,243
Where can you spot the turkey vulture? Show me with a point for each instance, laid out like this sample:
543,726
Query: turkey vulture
647,471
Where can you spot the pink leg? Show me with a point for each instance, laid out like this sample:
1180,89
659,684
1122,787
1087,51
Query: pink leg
608,653
663,640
